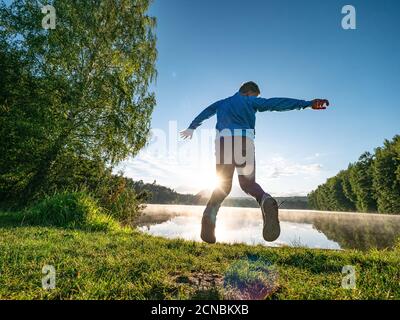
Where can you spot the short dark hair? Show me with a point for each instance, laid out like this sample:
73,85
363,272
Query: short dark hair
249,86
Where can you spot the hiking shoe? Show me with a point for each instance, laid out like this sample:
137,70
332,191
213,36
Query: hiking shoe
269,208
208,229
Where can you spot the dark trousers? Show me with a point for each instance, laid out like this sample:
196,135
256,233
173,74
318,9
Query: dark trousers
234,153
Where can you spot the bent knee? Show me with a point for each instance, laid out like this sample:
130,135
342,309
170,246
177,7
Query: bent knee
246,185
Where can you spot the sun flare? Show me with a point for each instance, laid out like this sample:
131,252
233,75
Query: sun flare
207,181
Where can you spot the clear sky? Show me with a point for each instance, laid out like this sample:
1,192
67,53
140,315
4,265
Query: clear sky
291,48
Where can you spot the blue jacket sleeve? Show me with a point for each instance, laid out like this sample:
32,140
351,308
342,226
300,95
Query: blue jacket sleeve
280,104
204,115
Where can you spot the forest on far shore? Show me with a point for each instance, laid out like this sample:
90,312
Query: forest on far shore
372,184
158,194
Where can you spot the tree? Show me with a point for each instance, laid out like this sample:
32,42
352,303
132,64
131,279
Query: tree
25,127
386,176
347,188
361,183
340,192
91,77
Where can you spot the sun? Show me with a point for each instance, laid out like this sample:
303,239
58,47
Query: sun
207,181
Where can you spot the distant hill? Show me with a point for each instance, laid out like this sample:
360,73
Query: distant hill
158,194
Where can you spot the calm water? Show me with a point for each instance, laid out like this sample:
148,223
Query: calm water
312,229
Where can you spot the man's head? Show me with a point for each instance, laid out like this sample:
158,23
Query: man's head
249,89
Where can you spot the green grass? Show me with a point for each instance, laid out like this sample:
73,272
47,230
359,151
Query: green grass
126,264
69,210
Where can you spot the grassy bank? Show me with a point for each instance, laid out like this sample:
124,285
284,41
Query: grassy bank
126,264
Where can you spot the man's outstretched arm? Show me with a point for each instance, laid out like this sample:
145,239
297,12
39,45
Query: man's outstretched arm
204,115
288,104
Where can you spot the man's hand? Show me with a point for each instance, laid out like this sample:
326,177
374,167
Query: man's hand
188,133
319,104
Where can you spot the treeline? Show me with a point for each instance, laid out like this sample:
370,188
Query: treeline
158,194
372,184
154,193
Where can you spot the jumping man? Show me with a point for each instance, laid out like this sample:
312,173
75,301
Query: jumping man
236,117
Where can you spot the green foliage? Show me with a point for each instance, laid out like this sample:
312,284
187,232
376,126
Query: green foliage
83,88
68,210
159,194
120,199
111,191
372,184
25,126
361,180
348,188
386,168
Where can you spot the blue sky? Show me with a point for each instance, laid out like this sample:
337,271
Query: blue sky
292,49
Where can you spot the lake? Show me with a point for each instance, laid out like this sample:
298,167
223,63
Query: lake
299,228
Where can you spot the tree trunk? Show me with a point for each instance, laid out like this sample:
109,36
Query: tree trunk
42,172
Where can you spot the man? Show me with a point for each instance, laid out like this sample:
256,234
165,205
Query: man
236,117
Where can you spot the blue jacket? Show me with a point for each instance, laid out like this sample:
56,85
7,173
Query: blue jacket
236,115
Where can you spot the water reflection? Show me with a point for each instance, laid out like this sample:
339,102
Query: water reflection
311,229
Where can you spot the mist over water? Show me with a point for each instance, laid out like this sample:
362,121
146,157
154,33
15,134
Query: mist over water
312,229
